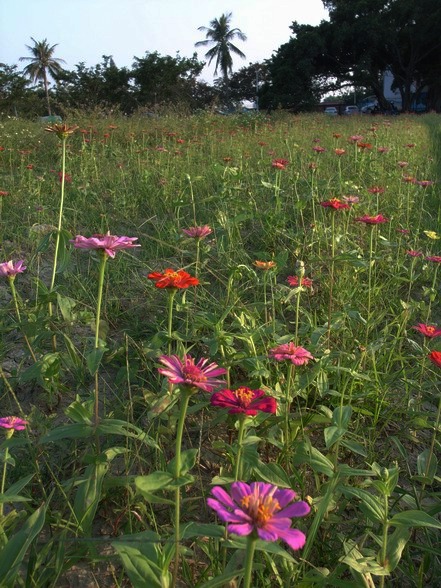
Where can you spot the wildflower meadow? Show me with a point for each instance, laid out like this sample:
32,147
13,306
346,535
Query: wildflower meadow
220,351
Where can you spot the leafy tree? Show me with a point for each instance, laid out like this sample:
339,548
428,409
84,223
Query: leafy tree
41,64
221,36
15,96
246,83
165,79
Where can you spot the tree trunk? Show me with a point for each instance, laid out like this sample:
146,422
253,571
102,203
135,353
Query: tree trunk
46,89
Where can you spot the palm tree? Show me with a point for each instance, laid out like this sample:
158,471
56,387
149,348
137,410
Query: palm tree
219,34
41,64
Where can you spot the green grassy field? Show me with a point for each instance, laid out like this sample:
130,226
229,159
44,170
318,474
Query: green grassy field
107,481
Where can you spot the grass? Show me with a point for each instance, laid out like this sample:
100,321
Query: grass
356,430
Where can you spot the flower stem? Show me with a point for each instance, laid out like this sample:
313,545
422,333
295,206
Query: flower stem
368,314
384,542
170,317
289,381
249,557
185,397
17,310
238,465
97,326
331,277
2,489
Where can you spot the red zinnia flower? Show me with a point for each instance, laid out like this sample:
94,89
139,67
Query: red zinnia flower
372,220
364,145
335,204
414,253
402,163
292,353
173,279
409,179
428,330
425,183
294,282
187,372
434,258
244,400
318,149
3,193
280,163
435,357
339,151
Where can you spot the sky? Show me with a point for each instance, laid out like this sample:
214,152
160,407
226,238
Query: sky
85,30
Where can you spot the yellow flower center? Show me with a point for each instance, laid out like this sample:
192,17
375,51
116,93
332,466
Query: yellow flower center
430,329
260,509
244,395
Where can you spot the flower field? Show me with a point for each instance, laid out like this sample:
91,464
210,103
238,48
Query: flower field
220,353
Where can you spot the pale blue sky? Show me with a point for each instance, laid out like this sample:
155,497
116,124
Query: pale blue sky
87,29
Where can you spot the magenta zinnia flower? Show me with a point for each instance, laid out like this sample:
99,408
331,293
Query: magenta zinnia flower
244,400
261,509
294,282
187,372
198,232
9,269
434,258
110,244
428,330
290,352
13,422
335,204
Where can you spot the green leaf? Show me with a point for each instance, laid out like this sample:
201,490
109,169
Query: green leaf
188,460
424,466
93,359
66,306
12,554
342,416
414,518
272,473
138,567
203,530
306,454
369,504
354,447
153,482
88,495
332,435
395,546
71,431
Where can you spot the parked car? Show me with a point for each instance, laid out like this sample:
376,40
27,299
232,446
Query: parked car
352,109
331,111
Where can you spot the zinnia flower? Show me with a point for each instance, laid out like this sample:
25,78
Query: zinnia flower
339,151
425,183
335,204
262,509
173,279
244,400
434,258
294,282
9,269
198,232
110,244
432,235
372,220
351,199
414,253
187,372
428,330
290,352
376,190
279,163
319,149
61,130
435,357
13,422
4,193
265,265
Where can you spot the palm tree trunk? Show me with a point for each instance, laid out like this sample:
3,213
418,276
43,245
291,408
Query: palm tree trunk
46,89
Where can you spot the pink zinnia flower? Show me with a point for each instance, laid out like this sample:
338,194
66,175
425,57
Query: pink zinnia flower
434,258
355,138
402,163
4,193
9,269
376,190
294,282
110,244
187,372
428,330
351,199
244,400
262,509
372,220
383,149
414,253
425,183
198,232
319,149
13,422
292,353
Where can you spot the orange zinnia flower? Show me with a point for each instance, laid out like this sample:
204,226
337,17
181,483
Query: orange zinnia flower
173,279
265,265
